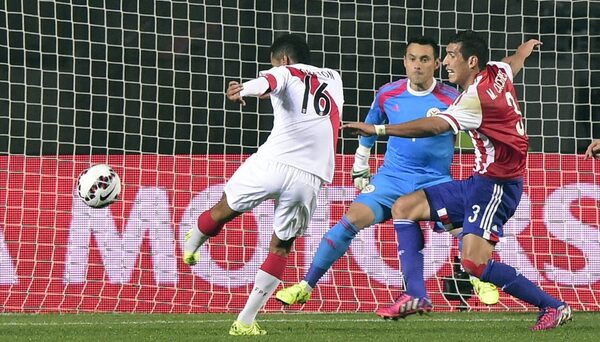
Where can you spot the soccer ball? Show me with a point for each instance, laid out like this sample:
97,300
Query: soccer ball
98,186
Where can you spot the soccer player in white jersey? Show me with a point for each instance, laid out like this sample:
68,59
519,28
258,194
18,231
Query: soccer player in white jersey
290,167
482,204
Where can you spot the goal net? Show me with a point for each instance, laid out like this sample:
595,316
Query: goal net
140,85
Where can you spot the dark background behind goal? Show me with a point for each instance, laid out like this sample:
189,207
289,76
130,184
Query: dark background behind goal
81,77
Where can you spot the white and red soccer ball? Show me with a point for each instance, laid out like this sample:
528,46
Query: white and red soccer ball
98,186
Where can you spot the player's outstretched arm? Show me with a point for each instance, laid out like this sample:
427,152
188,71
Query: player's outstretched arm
256,87
593,151
517,60
360,128
420,128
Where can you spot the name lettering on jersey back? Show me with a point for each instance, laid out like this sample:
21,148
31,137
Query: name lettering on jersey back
321,73
499,83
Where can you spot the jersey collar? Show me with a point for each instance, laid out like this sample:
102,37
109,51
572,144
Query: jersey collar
423,92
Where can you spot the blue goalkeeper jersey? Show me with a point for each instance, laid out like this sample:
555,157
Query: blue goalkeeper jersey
396,103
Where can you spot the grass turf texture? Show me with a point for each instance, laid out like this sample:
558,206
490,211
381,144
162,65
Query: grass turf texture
293,327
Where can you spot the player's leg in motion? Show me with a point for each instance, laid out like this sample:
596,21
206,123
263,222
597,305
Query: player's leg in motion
486,292
251,184
210,223
498,202
333,246
477,262
266,281
296,201
410,250
490,205
367,209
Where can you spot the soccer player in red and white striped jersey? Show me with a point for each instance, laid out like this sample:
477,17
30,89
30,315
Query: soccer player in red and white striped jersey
482,204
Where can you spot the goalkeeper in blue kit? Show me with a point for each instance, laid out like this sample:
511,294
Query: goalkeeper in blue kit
409,165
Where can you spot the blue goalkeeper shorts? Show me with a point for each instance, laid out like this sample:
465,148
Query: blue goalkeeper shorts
387,186
481,205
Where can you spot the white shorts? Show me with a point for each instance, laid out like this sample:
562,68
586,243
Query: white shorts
294,191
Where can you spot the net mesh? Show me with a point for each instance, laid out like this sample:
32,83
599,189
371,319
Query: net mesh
140,85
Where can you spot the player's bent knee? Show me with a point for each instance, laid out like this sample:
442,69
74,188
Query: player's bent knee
411,207
400,209
472,268
360,215
403,208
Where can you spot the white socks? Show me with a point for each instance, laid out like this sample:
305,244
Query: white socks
194,241
194,238
264,286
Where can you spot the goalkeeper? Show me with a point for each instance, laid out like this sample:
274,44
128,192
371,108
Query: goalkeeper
409,165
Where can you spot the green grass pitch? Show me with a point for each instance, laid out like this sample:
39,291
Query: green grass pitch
470,326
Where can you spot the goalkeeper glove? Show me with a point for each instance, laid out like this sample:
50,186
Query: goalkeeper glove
361,171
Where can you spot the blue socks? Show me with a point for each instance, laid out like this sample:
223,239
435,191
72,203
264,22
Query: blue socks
334,244
515,284
410,247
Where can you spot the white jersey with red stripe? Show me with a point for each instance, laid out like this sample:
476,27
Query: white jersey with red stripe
307,108
489,111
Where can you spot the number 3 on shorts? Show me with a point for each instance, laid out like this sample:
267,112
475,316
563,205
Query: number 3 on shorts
476,210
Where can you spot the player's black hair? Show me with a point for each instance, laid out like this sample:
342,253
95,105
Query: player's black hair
422,40
471,45
292,45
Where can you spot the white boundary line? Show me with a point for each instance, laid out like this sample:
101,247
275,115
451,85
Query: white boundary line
261,320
